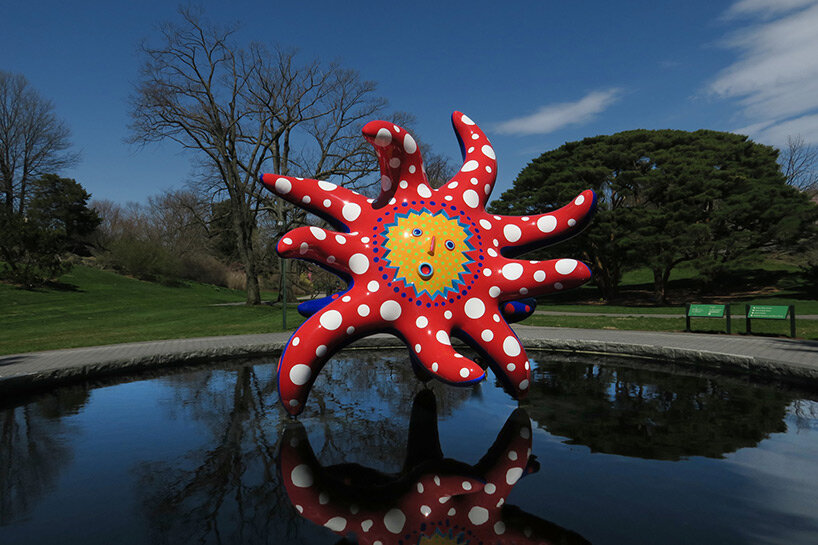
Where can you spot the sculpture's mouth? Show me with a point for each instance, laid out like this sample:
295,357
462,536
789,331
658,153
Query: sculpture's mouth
425,271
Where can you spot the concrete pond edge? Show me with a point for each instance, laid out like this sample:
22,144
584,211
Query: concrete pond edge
183,354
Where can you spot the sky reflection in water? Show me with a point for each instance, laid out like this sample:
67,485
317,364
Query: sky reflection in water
623,455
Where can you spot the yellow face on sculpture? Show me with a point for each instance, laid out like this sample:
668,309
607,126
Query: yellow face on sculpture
428,251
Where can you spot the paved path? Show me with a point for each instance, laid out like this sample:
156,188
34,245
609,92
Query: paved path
787,358
645,315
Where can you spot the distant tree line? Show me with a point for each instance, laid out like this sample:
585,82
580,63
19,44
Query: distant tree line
666,197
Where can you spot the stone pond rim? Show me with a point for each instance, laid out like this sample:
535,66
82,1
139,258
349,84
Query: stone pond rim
791,361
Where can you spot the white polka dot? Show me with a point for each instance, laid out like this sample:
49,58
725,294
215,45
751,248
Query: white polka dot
425,510
346,298
444,499
386,183
558,285
327,203
424,191
366,525
464,372
300,374
525,433
487,335
572,222
434,367
373,286
350,330
488,152
494,291
539,276
488,169
486,272
365,240
448,315
363,310
287,241
468,166
475,308
327,186
496,318
524,384
412,169
546,224
512,232
403,184
513,475
442,337
466,120
306,199
523,291
383,138
511,346
492,252
466,485
485,224
478,515
490,488
417,348
358,263
321,350
579,200
331,320
525,218
511,367
320,234
452,185
331,259
452,512
394,521
390,310
409,144
304,248
302,476
336,524
394,162
487,189
422,322
283,186
340,240
470,198
351,211
566,266
512,271
448,198
296,340
500,527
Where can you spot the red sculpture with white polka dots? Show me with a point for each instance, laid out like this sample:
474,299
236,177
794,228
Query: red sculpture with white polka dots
423,264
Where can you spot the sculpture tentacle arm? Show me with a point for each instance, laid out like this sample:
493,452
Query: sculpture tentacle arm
431,346
338,205
498,344
399,159
475,179
329,248
541,277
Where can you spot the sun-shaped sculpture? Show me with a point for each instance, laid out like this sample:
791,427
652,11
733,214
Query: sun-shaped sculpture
422,264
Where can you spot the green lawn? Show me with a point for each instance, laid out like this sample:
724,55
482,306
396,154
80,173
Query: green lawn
106,308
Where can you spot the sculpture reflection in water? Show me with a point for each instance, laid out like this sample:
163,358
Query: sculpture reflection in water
432,500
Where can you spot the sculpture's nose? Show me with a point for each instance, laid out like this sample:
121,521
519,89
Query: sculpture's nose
431,250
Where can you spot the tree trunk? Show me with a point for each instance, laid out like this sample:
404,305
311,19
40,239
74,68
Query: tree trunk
244,229
660,280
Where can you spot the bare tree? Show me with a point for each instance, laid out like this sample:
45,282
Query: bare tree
33,142
245,110
799,162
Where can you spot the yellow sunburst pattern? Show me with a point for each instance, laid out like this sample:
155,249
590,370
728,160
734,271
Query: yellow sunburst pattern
428,251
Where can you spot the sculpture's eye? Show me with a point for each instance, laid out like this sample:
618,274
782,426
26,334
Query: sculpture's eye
416,232
449,245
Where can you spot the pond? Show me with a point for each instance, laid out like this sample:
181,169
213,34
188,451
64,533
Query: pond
602,451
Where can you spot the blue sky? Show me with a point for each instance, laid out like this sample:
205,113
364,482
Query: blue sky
533,75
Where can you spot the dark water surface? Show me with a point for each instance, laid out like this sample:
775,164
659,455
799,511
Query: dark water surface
602,451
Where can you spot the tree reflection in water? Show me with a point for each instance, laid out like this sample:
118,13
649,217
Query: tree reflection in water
431,500
650,414
32,452
229,490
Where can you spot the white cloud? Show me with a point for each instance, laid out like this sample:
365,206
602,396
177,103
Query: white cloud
551,117
775,77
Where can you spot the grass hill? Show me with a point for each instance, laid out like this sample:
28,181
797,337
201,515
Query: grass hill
94,307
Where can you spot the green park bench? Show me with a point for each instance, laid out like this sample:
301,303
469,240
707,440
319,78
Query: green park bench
770,312
706,311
